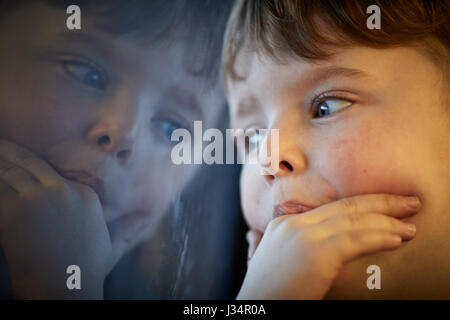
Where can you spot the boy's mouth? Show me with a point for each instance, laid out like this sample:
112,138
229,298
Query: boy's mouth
290,207
86,178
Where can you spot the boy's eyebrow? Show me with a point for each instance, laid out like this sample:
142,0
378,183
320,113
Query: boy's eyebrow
82,38
324,73
248,104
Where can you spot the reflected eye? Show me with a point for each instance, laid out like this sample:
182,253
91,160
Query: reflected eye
87,74
329,106
167,127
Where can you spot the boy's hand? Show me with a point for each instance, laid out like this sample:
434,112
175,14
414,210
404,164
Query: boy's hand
300,256
46,224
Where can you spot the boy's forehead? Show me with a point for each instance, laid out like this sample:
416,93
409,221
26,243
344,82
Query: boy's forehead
255,71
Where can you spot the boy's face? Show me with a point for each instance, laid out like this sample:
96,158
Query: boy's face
365,121
100,109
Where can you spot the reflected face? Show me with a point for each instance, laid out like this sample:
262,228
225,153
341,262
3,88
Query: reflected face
366,121
95,103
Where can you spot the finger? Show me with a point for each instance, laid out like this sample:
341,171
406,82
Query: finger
361,222
253,238
349,246
28,161
382,203
15,177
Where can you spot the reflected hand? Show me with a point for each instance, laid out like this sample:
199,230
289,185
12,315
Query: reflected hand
46,224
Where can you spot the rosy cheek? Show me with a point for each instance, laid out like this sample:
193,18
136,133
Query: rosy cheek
366,164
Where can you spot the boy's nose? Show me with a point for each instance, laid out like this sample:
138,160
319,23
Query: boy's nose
291,160
114,141
285,168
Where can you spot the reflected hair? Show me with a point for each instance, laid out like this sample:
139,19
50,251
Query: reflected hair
155,21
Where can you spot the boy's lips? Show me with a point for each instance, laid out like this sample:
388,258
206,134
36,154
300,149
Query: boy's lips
291,207
86,178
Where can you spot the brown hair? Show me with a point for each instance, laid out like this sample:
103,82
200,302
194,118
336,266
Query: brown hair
278,27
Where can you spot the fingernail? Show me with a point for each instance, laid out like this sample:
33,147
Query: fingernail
413,202
411,228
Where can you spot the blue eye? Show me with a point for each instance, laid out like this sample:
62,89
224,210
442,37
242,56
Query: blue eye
329,106
167,127
86,74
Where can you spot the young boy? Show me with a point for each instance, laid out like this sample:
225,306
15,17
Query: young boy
85,131
364,147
